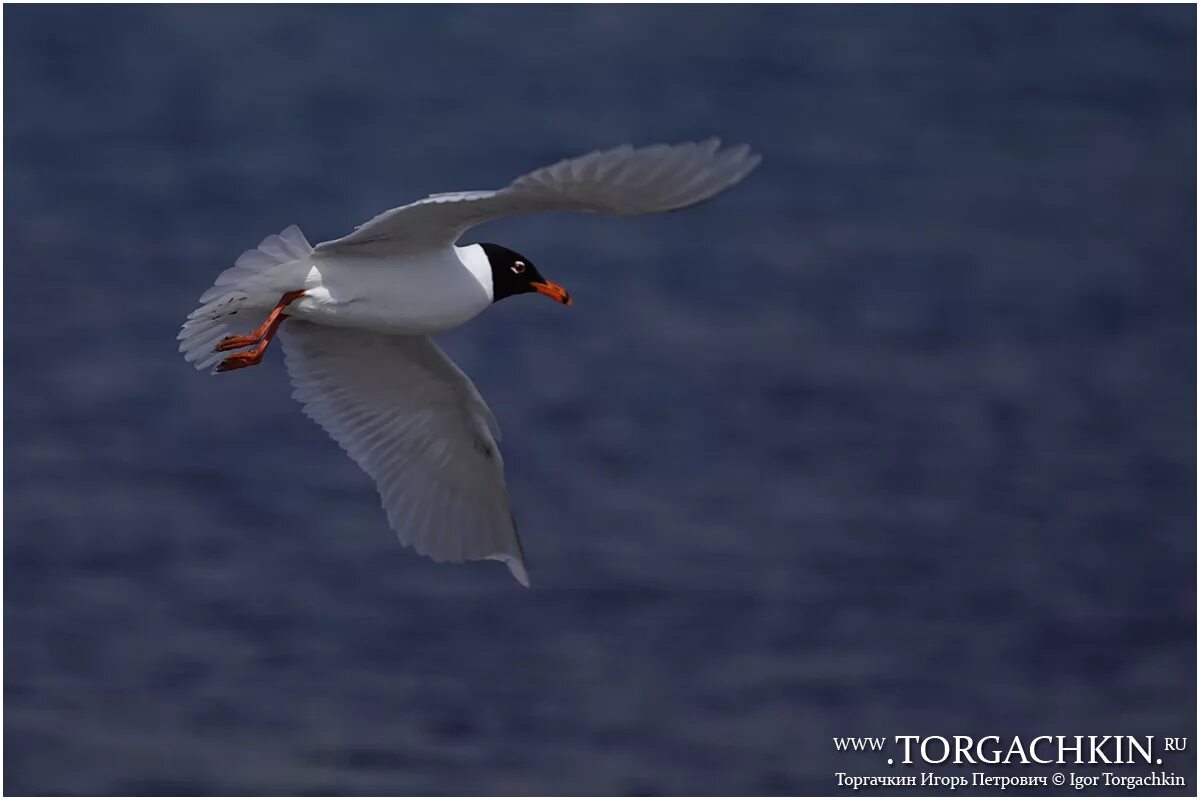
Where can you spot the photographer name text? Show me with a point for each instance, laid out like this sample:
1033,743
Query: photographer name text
980,779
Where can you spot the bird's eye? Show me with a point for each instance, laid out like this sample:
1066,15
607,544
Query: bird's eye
518,267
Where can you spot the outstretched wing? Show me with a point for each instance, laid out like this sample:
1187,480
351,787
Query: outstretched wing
623,180
416,424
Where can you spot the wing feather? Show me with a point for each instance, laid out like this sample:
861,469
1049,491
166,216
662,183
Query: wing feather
415,423
622,180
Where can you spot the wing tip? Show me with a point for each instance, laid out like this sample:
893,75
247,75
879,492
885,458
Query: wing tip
517,567
746,160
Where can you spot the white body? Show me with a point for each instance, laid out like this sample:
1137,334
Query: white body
406,294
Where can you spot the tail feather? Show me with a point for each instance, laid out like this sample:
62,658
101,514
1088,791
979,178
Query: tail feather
237,289
290,245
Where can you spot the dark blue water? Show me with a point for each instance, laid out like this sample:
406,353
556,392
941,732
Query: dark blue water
898,437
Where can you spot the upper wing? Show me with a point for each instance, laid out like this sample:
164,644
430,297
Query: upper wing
619,181
415,423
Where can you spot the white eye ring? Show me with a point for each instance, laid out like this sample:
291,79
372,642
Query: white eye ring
518,267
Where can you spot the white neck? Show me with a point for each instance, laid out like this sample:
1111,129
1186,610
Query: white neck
476,261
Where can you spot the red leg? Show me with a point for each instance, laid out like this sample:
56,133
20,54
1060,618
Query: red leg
256,335
261,341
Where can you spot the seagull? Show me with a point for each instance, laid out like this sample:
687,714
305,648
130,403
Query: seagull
361,309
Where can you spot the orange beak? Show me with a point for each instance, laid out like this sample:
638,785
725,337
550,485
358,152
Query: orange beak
553,291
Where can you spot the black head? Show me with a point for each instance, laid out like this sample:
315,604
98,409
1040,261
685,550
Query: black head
513,273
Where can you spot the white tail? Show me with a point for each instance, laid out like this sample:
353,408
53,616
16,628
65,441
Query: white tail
252,283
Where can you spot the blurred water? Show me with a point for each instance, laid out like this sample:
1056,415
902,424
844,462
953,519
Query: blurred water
897,437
